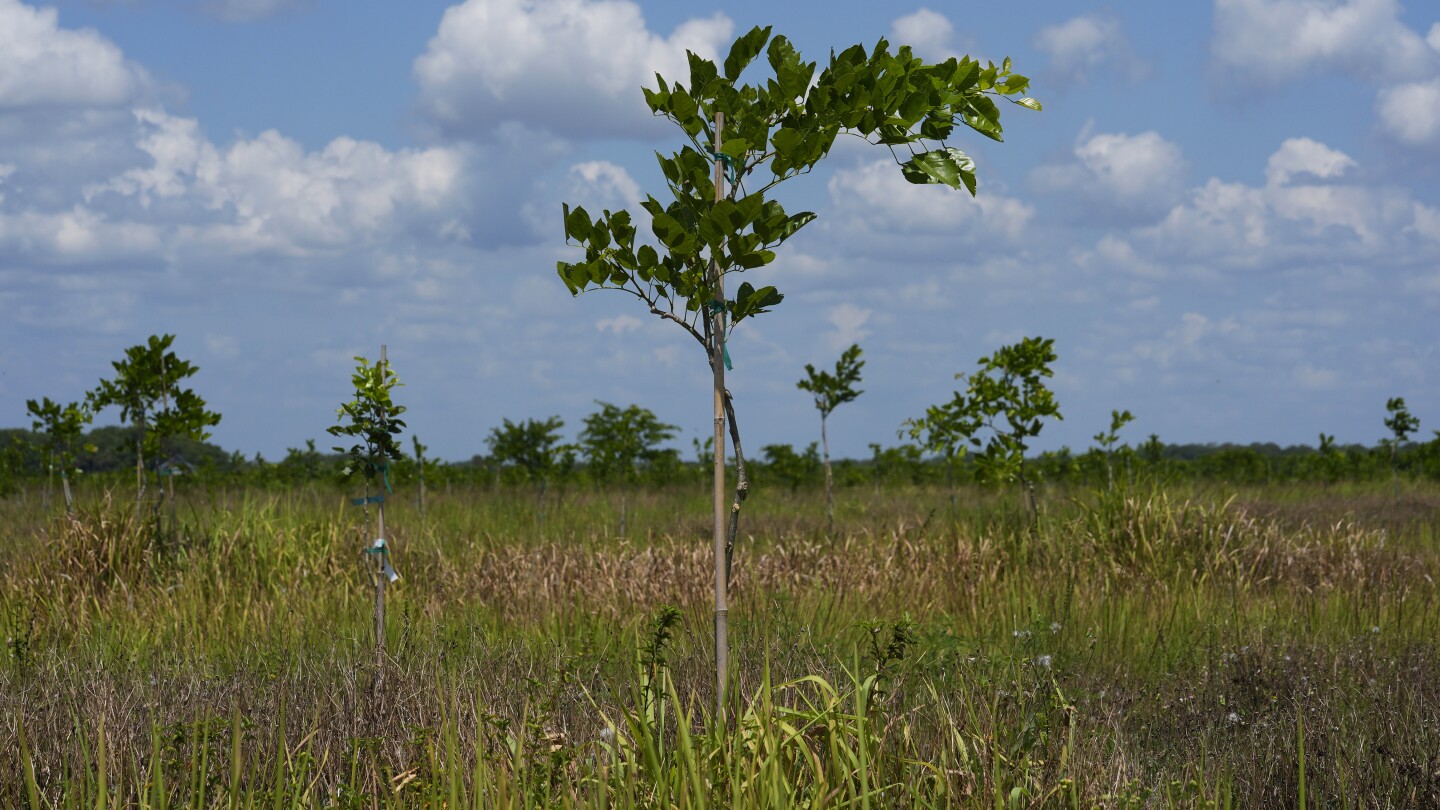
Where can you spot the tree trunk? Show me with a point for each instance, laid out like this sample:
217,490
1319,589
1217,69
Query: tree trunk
829,479
717,365
624,504
139,458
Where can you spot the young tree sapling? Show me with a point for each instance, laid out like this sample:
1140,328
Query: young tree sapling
721,221
831,391
63,425
616,441
371,420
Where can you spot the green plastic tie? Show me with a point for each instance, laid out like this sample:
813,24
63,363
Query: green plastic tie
385,476
731,173
369,500
719,307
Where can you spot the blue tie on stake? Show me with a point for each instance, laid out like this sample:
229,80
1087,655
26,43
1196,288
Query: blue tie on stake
364,501
719,307
731,173
379,547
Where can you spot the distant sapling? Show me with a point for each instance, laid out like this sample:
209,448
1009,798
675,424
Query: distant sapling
831,391
63,425
1009,397
371,419
616,441
147,390
1401,423
1108,439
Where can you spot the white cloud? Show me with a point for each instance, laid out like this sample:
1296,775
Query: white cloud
1433,38
1302,209
876,197
574,67
1084,44
1115,175
1305,156
619,325
928,33
268,193
1273,41
43,65
1411,112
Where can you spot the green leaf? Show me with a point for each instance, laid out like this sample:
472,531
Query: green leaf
735,148
949,166
577,223
744,51
669,231
1029,102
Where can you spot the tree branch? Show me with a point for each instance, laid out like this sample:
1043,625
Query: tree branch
742,486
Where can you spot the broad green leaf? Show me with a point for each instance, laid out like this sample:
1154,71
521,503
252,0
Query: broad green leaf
949,166
744,51
670,232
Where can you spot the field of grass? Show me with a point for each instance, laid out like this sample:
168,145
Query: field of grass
1153,646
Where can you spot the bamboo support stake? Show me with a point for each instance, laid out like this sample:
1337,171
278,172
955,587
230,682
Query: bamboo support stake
380,579
717,363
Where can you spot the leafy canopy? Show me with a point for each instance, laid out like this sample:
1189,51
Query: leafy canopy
616,440
63,425
832,390
532,446
147,390
371,417
1009,396
1401,422
774,130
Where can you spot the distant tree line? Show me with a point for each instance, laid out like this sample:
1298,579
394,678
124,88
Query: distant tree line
534,452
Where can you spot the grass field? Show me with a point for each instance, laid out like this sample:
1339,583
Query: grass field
1154,646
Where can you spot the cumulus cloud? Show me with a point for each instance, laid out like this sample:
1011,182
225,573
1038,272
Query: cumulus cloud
44,65
1087,44
1274,41
1304,209
574,67
1118,176
1411,112
1297,156
268,193
928,33
876,199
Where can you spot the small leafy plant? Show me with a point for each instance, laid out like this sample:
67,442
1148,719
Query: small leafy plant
63,425
146,389
371,419
1401,424
1109,439
831,391
617,441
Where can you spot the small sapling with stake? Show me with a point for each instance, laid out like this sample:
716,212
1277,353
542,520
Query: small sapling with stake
743,140
371,418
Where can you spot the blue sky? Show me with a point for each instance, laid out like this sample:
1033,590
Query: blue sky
1228,214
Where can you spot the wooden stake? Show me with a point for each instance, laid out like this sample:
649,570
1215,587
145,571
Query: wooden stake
380,580
717,363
